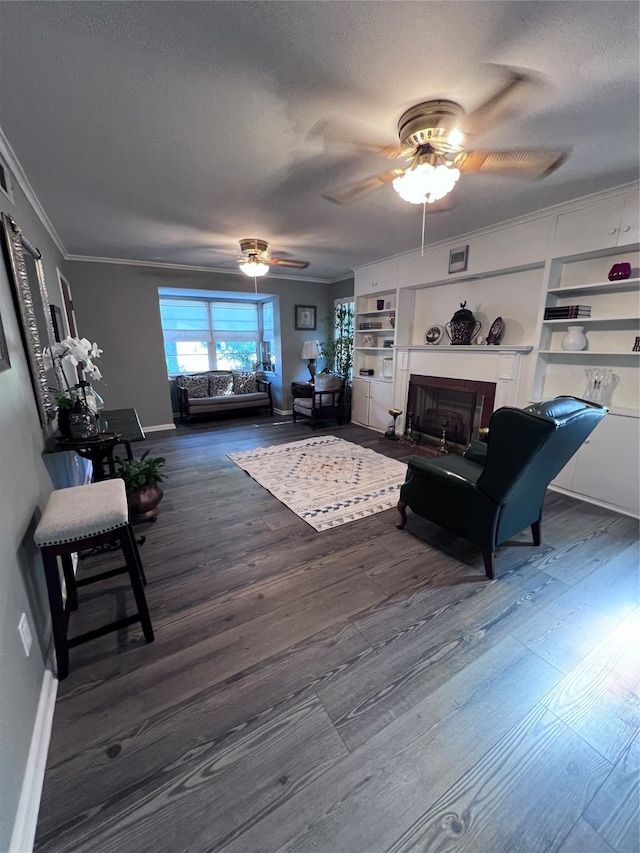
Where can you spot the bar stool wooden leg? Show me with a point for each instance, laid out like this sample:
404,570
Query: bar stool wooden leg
132,560
58,616
69,582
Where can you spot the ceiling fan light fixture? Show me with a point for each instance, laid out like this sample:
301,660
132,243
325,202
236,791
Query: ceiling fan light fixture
253,267
426,183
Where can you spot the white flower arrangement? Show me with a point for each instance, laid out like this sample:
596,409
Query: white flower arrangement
73,352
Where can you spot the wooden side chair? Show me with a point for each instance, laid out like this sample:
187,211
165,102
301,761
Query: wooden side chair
325,402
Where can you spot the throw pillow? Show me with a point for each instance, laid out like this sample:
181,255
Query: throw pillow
244,382
197,386
220,384
327,382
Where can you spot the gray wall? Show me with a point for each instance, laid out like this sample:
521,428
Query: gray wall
116,305
341,289
24,486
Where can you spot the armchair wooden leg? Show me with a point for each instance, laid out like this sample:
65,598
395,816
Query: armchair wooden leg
402,509
536,533
487,556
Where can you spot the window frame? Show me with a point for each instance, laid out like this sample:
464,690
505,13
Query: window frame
212,337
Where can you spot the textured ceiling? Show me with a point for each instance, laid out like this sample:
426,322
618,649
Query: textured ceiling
167,131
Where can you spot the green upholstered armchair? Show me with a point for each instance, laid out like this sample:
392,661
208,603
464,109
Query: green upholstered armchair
496,489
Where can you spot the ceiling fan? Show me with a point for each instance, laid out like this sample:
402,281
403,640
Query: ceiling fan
255,262
432,138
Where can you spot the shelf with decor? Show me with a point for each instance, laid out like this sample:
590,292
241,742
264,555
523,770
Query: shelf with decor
373,347
619,286
610,330
603,367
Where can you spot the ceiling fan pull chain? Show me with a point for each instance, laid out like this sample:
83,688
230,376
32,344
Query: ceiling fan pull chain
424,216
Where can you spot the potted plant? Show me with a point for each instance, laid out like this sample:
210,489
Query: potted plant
141,479
338,349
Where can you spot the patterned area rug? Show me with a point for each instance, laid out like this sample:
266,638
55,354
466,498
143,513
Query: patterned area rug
327,481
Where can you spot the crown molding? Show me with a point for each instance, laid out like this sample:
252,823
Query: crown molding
18,173
553,210
186,267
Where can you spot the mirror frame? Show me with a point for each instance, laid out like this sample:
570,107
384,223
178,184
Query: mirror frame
16,245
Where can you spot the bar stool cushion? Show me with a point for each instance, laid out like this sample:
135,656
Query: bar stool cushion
81,512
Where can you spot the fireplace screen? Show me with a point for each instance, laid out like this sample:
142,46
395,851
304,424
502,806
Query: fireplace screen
447,413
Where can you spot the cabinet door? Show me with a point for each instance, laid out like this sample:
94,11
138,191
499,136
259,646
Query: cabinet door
608,463
360,402
590,228
380,401
630,224
376,278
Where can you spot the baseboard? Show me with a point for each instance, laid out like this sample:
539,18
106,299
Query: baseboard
158,427
623,510
24,828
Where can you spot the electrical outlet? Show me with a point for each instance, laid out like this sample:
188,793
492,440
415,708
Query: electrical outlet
25,634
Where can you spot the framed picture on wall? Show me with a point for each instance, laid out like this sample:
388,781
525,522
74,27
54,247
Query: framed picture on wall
306,317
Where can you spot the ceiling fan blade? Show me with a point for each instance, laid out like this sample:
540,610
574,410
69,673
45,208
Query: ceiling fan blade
532,163
507,101
283,262
353,192
339,134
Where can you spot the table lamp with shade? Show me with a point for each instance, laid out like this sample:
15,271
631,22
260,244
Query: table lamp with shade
311,352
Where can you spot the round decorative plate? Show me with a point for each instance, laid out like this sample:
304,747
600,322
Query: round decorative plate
433,335
495,332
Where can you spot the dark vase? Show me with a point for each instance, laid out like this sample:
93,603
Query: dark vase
143,502
82,422
63,423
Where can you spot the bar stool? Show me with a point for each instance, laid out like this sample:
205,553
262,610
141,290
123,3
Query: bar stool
83,517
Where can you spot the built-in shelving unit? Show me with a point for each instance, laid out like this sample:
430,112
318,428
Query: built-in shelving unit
373,390
516,271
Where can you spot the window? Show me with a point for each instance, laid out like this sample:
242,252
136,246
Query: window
207,334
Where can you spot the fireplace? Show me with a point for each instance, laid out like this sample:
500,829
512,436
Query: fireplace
444,414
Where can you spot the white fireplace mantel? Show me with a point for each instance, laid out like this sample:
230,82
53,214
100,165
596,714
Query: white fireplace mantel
498,364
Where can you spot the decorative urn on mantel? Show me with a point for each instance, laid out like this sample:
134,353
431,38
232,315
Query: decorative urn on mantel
463,328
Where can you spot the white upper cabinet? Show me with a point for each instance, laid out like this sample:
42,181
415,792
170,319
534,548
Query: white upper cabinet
512,247
605,225
376,277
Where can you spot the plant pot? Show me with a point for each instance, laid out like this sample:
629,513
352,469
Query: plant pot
63,423
143,502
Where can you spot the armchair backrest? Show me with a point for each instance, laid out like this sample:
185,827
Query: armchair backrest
327,389
528,447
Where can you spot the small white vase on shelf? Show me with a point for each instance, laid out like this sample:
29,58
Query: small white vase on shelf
574,340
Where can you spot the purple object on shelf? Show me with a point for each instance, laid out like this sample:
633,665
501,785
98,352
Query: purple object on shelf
619,272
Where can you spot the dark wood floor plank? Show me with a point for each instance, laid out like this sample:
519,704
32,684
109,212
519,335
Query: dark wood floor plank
222,656
432,640
372,796
372,667
233,785
567,629
613,812
123,747
599,697
584,839
513,778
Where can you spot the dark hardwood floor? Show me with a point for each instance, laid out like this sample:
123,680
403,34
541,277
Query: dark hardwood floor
360,690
